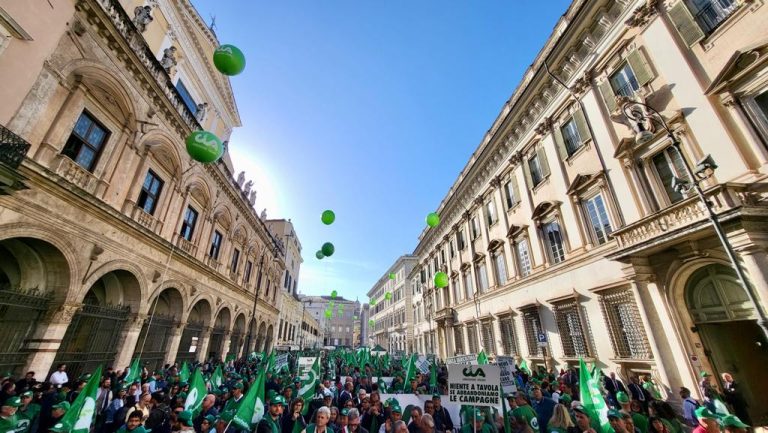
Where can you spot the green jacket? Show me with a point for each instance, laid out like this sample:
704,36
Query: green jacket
11,425
527,415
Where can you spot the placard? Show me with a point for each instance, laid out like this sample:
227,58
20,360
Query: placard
461,359
422,364
281,361
474,385
305,364
507,371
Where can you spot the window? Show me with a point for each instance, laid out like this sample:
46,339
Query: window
625,325
188,225
571,329
571,137
524,258
456,291
452,249
500,266
460,239
189,101
669,164
538,168
508,335
554,240
468,284
474,226
489,342
248,269
235,260
533,328
458,339
150,192
534,165
511,192
215,245
624,82
86,142
482,277
598,219
472,338
709,14
490,212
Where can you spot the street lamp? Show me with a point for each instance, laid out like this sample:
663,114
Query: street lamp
640,113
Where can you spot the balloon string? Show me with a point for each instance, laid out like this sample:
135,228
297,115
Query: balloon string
157,300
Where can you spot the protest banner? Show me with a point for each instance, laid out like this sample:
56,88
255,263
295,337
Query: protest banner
305,364
462,359
422,364
507,371
475,385
281,361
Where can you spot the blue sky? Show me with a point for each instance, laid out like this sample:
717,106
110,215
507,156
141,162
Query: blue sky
369,108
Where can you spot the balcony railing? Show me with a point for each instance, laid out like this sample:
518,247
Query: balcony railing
714,13
671,222
13,148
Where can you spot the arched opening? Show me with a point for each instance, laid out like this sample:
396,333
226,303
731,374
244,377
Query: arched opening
270,336
238,335
727,324
262,335
155,337
33,273
220,327
93,336
199,318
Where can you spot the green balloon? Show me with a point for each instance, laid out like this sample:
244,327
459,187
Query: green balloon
328,217
328,249
331,304
333,292
392,276
371,322
388,296
372,302
204,146
319,254
354,317
433,219
229,60
328,314
441,280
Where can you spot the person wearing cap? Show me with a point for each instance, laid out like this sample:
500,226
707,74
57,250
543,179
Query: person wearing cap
28,413
395,415
708,421
207,424
322,416
57,413
524,414
732,424
689,407
343,419
270,423
443,421
478,424
184,422
544,406
616,419
638,419
8,418
581,418
233,404
208,408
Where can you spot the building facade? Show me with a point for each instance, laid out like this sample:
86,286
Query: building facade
114,244
573,231
338,330
393,318
284,231
289,321
311,338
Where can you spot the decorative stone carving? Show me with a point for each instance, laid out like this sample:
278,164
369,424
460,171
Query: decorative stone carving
582,84
62,314
142,16
241,179
169,59
202,110
252,198
644,14
544,127
247,187
263,215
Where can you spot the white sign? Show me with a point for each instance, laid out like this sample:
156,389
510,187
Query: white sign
281,361
475,385
422,364
507,371
305,364
461,359
542,339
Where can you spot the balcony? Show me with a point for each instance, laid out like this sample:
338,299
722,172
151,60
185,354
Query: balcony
186,246
76,174
713,12
13,149
145,219
684,217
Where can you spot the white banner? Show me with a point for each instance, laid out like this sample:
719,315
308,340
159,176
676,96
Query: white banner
507,373
305,364
281,361
461,359
475,385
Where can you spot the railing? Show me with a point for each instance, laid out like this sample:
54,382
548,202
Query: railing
628,89
13,148
144,218
680,215
70,170
714,13
186,246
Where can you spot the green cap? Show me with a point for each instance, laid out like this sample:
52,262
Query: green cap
61,427
565,399
185,417
614,414
12,402
704,374
704,413
436,396
622,397
238,385
479,415
211,419
278,399
26,394
733,421
395,408
344,412
182,395
271,393
64,405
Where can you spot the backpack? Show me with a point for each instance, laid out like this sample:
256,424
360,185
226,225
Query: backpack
159,419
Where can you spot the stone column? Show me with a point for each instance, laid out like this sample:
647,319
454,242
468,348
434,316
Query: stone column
173,344
129,336
46,339
449,337
225,344
755,263
202,343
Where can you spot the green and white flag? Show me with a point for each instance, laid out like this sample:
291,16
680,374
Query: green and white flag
482,358
216,378
134,372
307,390
252,409
184,372
410,372
593,401
197,393
81,414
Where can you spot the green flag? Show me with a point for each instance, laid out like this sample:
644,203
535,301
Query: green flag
197,393
184,372
81,413
507,425
251,410
382,385
134,372
593,401
308,384
524,367
410,372
432,377
216,378
482,358
271,363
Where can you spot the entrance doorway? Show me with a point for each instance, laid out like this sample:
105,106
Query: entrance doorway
727,325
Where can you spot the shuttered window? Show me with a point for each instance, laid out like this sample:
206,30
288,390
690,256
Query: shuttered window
508,335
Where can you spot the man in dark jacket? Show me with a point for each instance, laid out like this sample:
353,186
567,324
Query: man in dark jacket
270,423
443,422
159,419
208,408
612,386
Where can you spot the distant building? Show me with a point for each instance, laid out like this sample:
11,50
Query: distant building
284,231
393,319
339,329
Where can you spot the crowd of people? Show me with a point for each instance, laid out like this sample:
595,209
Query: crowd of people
348,400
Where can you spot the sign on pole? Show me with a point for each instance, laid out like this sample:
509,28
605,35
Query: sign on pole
507,373
476,385
542,339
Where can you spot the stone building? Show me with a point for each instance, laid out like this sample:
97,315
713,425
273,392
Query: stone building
311,337
337,330
284,231
114,244
393,318
573,230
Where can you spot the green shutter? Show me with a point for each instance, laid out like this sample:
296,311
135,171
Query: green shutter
581,125
640,67
686,26
527,172
543,161
515,190
560,143
608,95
